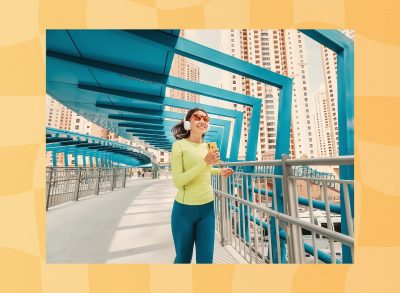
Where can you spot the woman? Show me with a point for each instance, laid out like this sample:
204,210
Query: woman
193,218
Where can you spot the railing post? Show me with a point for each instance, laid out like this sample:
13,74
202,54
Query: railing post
295,241
222,215
124,180
112,179
97,187
78,182
49,188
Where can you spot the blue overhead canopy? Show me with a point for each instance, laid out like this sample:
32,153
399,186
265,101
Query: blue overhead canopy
114,76
93,91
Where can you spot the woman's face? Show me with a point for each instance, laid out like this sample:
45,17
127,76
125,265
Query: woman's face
199,122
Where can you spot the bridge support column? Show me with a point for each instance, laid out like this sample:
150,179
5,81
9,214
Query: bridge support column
66,158
54,158
294,235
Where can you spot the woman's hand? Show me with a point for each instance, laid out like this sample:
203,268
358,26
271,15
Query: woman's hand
226,172
212,158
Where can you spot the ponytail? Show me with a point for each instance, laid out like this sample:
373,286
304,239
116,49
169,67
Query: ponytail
178,131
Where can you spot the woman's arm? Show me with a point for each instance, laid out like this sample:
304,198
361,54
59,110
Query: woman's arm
215,170
179,177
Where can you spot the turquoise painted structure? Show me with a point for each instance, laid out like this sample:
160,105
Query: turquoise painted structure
99,152
118,79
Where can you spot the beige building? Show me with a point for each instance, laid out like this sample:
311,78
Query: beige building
60,117
187,69
325,126
82,125
57,115
281,51
327,109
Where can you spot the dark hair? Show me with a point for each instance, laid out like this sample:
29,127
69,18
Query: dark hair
178,131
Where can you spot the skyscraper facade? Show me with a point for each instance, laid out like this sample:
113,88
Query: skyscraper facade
281,51
327,108
60,117
57,115
186,69
324,125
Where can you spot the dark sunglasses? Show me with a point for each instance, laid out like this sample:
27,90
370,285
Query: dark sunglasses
198,117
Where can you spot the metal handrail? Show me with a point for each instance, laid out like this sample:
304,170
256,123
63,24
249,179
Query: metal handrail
250,182
64,184
291,220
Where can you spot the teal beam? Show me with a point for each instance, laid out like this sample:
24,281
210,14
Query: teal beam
149,131
76,158
282,149
177,116
142,119
115,92
344,49
170,81
175,103
66,158
209,56
210,91
141,125
130,109
86,137
54,158
215,123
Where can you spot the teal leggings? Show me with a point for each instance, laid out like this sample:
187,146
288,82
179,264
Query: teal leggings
193,224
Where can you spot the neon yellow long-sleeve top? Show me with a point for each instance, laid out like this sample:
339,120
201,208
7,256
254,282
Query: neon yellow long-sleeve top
190,173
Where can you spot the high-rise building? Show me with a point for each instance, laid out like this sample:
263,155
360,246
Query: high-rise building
324,125
186,69
82,125
328,107
281,51
57,115
60,117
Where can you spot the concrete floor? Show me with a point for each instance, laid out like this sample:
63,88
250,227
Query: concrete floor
130,225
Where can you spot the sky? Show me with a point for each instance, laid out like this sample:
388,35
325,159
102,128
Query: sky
212,39
314,59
